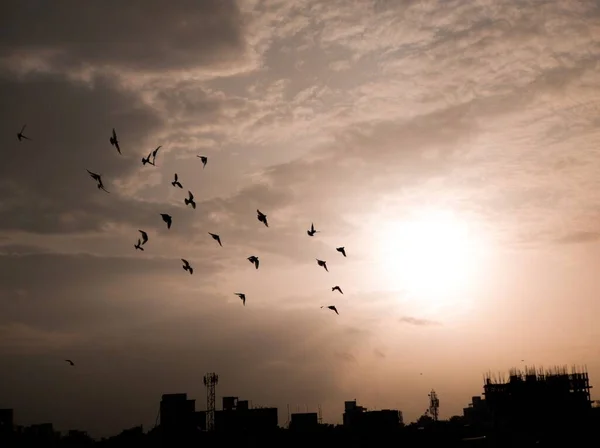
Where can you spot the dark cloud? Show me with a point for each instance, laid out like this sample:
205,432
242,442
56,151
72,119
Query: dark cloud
147,35
579,237
45,186
77,292
417,322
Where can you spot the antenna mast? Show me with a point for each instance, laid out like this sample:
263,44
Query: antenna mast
434,405
210,382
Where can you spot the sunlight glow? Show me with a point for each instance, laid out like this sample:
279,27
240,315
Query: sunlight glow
430,255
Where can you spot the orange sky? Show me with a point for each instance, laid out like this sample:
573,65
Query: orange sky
451,147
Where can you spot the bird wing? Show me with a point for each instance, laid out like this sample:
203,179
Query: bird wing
156,151
257,262
23,128
114,134
191,196
185,261
176,177
312,227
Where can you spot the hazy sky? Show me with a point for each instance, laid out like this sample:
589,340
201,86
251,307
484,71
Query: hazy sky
450,146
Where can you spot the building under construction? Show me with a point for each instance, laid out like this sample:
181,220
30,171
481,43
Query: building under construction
538,398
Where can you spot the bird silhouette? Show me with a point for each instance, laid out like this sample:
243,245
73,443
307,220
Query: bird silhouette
22,136
70,362
187,267
204,160
254,259
322,264
138,246
114,141
97,178
312,230
168,219
190,200
176,182
333,308
241,296
146,159
154,155
262,217
144,236
341,250
216,237
338,288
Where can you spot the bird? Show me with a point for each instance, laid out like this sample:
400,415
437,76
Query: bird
21,136
138,246
333,308
322,263
203,159
338,288
253,259
187,267
262,217
341,250
154,155
70,362
168,219
241,296
144,236
97,178
216,237
176,182
190,200
114,141
312,230
146,159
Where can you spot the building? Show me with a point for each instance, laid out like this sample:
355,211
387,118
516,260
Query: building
359,418
304,422
237,416
477,414
6,421
538,399
177,414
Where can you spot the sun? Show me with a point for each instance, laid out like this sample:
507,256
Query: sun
429,255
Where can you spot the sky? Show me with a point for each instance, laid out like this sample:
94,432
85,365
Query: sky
451,146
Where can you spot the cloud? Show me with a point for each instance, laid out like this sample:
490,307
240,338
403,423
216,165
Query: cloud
417,322
182,36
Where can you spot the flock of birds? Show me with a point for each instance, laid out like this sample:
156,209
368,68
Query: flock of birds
150,159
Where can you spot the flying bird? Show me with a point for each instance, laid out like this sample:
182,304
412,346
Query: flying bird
341,250
146,159
216,237
138,246
144,236
70,362
262,217
154,155
333,308
322,264
168,219
97,178
203,159
241,296
190,200
22,136
338,288
253,259
176,182
312,230
114,141
187,267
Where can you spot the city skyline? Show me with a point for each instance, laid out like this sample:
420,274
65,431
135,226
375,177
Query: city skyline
449,146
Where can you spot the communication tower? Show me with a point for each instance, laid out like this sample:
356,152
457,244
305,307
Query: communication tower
434,405
210,382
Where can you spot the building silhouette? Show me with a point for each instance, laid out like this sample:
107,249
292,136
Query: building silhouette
360,418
